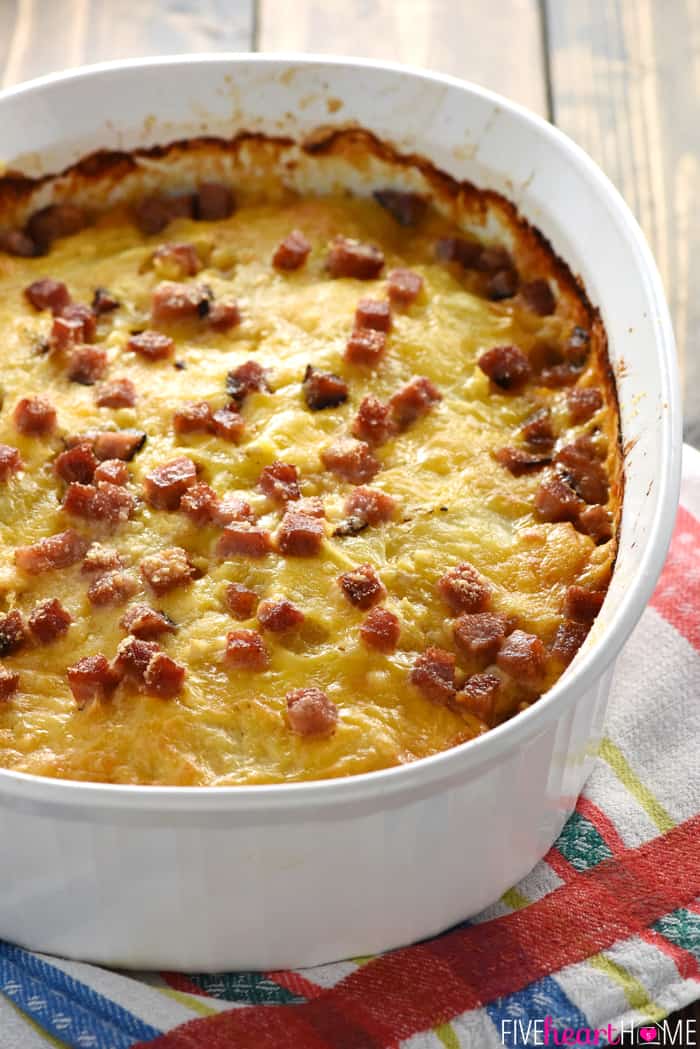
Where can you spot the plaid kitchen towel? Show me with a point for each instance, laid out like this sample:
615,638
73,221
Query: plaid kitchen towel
603,936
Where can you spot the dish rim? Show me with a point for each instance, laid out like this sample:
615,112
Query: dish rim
471,756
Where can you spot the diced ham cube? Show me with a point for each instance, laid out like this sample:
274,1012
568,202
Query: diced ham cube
228,424
278,616
240,601
416,398
9,683
165,486
458,249
87,364
373,422
49,621
519,461
583,471
168,569
15,242
506,366
310,713
48,294
374,314
538,297
577,347
522,656
153,345
568,639
193,417
154,213
164,677
56,220
370,506
559,375
464,589
13,634
173,302
557,501
56,551
300,535
91,679
117,444
232,508
180,258
350,258
224,315
596,522
114,471
200,503
292,252
66,333
249,377
323,389
82,315
480,633
242,539
583,605
146,623
133,657
404,286
362,586
434,674
365,346
478,696
583,402
245,649
35,416
280,482
537,429
406,208
103,301
112,588
381,630
502,285
117,393
80,499
213,201
101,559
10,462
351,460
494,258
102,502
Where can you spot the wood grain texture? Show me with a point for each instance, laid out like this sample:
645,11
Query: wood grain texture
625,80
497,45
41,36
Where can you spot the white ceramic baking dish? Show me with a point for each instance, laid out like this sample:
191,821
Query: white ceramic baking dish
269,877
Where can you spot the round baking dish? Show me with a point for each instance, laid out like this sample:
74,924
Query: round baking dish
277,876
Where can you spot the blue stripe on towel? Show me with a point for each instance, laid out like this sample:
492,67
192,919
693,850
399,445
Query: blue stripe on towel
511,1014
70,1010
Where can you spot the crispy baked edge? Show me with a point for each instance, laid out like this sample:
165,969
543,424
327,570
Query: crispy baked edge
105,178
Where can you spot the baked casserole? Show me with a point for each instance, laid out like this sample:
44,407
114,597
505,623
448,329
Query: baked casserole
292,485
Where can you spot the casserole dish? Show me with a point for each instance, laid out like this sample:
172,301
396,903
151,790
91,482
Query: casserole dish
264,877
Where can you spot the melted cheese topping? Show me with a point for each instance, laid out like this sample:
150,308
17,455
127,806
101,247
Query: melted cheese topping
455,502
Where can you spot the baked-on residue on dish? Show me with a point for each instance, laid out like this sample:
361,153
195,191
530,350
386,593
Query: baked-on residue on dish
293,484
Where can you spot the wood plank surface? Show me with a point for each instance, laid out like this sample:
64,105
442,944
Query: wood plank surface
497,45
625,82
41,36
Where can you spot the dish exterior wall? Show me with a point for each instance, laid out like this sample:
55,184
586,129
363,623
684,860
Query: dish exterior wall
263,879
263,892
